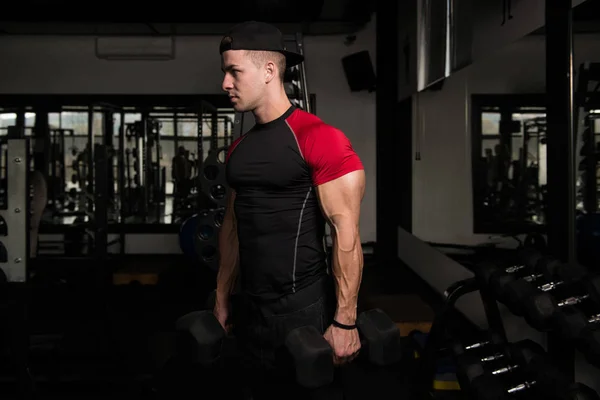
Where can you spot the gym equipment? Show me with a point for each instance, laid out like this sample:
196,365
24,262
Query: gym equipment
574,326
491,274
539,308
213,181
199,236
495,341
517,291
538,372
503,284
488,387
200,337
537,241
570,322
187,233
16,215
519,354
313,356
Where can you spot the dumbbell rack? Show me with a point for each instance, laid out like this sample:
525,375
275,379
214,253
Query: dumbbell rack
541,273
426,370
554,298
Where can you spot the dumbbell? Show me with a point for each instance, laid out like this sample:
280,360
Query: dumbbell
542,266
540,308
573,325
570,322
539,373
557,275
516,356
494,342
200,337
313,356
488,272
488,387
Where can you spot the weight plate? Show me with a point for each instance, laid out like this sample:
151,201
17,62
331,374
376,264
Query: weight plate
213,182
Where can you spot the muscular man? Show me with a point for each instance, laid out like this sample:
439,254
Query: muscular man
288,176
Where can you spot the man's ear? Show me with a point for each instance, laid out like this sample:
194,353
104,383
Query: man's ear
270,71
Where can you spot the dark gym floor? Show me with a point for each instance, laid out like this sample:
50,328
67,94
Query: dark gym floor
97,344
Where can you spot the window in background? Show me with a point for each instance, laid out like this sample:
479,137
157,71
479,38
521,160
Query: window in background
509,163
6,120
167,151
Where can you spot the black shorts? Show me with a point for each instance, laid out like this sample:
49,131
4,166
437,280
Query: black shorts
261,330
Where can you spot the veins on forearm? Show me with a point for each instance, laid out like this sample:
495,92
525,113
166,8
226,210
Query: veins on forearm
347,270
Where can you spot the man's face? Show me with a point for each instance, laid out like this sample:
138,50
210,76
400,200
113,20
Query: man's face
243,80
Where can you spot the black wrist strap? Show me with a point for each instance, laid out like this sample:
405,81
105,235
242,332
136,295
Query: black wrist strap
342,326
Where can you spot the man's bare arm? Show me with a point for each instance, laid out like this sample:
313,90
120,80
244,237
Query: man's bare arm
340,201
228,254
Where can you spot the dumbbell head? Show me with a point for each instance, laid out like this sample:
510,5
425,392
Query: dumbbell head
529,256
524,351
484,271
515,294
572,273
569,322
589,344
381,337
578,391
468,368
591,286
536,241
546,374
499,280
312,355
539,308
199,337
488,387
548,266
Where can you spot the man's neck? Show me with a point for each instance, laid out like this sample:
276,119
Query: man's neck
272,109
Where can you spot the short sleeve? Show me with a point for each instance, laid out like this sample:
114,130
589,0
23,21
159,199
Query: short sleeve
232,147
330,155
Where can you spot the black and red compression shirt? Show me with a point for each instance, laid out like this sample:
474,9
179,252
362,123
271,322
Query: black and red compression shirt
274,169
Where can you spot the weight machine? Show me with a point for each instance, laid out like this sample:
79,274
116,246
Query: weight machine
14,260
14,239
148,183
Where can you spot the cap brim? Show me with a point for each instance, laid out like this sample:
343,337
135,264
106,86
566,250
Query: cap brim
292,59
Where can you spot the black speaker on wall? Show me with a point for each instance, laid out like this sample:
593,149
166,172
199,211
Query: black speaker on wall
359,71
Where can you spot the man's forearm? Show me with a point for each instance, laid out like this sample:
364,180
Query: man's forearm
228,261
347,269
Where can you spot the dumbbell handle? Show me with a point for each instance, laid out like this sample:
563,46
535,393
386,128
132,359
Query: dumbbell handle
594,319
477,345
492,357
521,386
504,370
546,286
514,268
571,301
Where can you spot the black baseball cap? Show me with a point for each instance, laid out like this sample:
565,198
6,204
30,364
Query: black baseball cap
260,36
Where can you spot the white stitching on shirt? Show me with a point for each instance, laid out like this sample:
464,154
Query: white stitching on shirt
297,238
